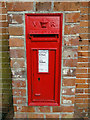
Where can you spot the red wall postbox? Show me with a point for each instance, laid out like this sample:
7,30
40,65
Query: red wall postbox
43,52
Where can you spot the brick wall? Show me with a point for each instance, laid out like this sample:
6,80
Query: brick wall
5,72
74,87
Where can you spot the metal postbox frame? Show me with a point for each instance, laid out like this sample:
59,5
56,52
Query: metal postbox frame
30,103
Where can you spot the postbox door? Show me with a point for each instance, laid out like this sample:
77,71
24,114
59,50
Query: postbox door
43,71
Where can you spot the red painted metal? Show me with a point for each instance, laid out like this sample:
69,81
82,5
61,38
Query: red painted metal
44,32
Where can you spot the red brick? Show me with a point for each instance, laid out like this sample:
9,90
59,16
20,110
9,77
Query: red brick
82,65
72,17
63,109
19,6
85,54
68,100
18,83
16,42
19,92
84,10
43,109
79,91
4,37
68,82
84,23
81,71
19,100
25,109
70,62
84,4
85,17
52,116
82,96
15,31
3,17
68,91
80,81
84,30
14,18
71,41
3,24
43,6
17,63
82,75
3,30
83,48
3,11
17,53
84,36
83,42
71,29
87,90
66,6
2,4
82,105
82,59
35,115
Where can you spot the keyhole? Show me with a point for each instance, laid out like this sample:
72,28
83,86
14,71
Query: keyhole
38,79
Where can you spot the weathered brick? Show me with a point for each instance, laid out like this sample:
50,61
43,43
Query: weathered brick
43,6
15,19
15,31
18,83
43,109
25,109
68,82
69,52
16,42
17,53
35,115
2,4
82,95
20,115
19,92
84,4
67,116
63,109
70,62
2,37
18,73
19,6
17,63
69,72
71,29
72,17
82,64
52,116
19,100
68,100
68,91
66,6
71,41
82,105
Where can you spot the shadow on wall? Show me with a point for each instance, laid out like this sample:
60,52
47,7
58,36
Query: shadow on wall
7,101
